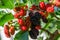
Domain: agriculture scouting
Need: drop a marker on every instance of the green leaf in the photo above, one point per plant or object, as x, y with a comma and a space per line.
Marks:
36, 2
24, 1
57, 13
16, 26
7, 4
41, 0
6, 18
1, 15
51, 26
29, 4
40, 38
46, 1
21, 36
52, 29
32, 1
58, 36
22, 4
58, 24
48, 24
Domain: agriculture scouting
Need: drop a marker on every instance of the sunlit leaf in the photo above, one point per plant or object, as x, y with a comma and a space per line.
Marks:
7, 4
6, 18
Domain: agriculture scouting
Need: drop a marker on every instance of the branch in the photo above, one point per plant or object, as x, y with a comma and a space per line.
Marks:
52, 36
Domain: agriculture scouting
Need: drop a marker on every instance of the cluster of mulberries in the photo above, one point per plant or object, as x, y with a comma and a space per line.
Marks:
36, 24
